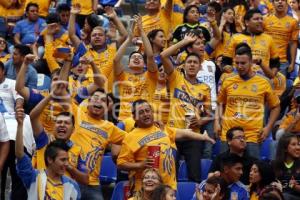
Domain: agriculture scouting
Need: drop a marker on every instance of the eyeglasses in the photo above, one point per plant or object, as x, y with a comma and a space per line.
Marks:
239, 138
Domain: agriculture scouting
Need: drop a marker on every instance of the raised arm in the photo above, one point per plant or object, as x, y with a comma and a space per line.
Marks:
75, 9
37, 126
19, 146
151, 65
188, 134
118, 68
49, 48
211, 18
117, 22
167, 53
20, 81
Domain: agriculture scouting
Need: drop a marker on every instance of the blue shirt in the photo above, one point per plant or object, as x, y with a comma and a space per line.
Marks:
235, 188
30, 76
29, 31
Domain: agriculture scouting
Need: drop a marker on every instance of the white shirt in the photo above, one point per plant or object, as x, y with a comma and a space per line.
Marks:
8, 96
3, 130
207, 76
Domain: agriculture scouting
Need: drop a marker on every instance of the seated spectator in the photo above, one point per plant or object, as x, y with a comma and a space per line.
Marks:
4, 142
271, 193
215, 189
26, 31
287, 165
237, 145
12, 67
151, 179
261, 175
163, 192
44, 6
51, 182
4, 54
231, 172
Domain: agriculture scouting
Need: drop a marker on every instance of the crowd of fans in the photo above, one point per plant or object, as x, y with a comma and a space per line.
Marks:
79, 79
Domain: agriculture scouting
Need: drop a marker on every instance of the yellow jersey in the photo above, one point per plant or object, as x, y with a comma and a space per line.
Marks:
104, 60
245, 102
133, 87
135, 149
288, 119
283, 30
240, 12
262, 46
220, 48
54, 190
279, 82
94, 136
86, 7
185, 98
4, 57
129, 124
76, 155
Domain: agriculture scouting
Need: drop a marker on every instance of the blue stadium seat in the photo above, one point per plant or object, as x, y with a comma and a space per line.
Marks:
216, 148
44, 82
265, 149
185, 190
205, 166
183, 174
118, 193
108, 173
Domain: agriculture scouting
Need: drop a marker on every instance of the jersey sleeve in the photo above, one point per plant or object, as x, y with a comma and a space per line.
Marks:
49, 50
295, 31
172, 133
42, 140
126, 155
271, 97
117, 135
25, 171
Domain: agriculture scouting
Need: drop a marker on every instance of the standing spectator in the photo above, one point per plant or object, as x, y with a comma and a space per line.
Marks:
261, 175
241, 102
12, 67
4, 142
133, 154
231, 171
26, 31
93, 133
237, 145
189, 97
44, 6
51, 182
294, 4
287, 165
284, 31
262, 45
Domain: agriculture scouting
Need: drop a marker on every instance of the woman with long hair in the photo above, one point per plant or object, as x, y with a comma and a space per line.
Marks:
4, 55
295, 5
287, 165
150, 180
163, 192
261, 175
215, 188
158, 41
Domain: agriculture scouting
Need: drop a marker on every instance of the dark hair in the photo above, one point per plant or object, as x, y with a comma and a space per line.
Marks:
191, 54
52, 18
63, 7
281, 153
31, 4
160, 192
55, 72
266, 173
230, 160
152, 34
186, 11
249, 14
23, 49
229, 134
223, 185
217, 7
137, 53
136, 103
67, 114
1, 65
53, 148
232, 27
93, 20
101, 90
267, 193
233, 3
243, 49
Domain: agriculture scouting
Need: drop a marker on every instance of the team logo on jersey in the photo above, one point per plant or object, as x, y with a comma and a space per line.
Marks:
263, 43
235, 86
5, 86
183, 87
254, 88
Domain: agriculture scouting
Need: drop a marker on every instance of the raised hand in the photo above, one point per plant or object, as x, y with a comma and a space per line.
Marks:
76, 8
20, 115
211, 15
110, 12
29, 58
190, 37
138, 21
